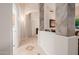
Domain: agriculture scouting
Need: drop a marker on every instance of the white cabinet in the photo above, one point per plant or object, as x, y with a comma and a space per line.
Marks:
57, 45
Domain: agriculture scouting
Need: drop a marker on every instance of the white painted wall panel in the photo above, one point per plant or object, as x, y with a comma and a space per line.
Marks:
5, 28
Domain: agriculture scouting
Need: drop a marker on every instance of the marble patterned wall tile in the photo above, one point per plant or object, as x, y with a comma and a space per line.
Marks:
65, 16
41, 7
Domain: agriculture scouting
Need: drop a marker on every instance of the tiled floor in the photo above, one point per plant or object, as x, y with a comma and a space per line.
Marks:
29, 46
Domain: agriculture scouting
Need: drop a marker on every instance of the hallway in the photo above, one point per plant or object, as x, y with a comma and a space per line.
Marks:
55, 26
29, 46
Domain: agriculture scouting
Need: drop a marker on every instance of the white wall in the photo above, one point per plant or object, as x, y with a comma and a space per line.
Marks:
16, 29
28, 26
5, 28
